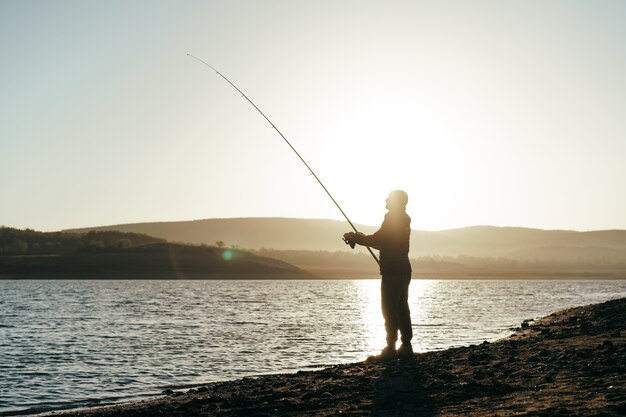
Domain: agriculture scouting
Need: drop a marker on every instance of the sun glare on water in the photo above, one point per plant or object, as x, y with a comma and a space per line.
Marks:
371, 315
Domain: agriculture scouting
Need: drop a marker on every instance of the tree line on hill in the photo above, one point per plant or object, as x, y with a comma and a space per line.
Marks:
31, 242
120, 255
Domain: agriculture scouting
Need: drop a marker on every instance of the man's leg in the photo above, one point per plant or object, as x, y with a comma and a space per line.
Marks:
389, 304
404, 313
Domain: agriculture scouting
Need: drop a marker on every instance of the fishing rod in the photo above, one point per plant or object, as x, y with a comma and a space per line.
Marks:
290, 145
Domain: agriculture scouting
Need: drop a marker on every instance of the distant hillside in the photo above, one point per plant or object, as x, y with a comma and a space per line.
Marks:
325, 235
30, 242
110, 254
250, 233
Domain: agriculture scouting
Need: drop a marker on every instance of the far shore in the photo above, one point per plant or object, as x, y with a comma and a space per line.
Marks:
303, 273
297, 277
331, 273
572, 362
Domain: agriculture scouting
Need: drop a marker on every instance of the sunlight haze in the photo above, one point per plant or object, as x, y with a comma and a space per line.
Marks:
486, 112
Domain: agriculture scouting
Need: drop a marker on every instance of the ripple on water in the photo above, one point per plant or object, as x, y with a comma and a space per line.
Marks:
80, 342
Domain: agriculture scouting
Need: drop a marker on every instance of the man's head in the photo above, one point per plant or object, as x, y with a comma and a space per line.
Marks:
397, 200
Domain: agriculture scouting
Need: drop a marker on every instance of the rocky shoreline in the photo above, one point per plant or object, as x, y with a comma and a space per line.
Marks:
571, 363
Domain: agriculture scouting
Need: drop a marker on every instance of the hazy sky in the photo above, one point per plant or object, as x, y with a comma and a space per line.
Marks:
485, 112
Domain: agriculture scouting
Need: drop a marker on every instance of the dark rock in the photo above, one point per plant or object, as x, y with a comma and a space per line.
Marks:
202, 389
475, 357
525, 324
616, 334
478, 373
326, 395
168, 392
210, 400
307, 396
620, 409
586, 327
238, 399
447, 376
607, 343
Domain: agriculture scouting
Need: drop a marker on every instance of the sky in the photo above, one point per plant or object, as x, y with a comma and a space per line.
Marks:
485, 112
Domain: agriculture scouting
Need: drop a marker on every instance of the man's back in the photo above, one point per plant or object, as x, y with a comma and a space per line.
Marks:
394, 235
392, 240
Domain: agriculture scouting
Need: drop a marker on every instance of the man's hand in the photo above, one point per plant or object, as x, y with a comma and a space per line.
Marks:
350, 238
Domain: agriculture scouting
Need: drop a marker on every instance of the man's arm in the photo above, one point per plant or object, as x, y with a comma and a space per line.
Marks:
373, 240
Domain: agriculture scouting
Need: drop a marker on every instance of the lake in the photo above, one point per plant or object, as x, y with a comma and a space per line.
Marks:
71, 343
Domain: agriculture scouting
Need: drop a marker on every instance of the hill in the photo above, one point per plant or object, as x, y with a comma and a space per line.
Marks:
110, 254
325, 235
30, 242
315, 245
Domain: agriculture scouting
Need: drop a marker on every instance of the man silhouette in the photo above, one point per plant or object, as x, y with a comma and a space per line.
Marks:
392, 240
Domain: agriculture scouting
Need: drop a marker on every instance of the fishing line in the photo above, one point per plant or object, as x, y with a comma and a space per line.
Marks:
288, 143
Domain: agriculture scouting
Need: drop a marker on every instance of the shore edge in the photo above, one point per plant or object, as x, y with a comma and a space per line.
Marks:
572, 362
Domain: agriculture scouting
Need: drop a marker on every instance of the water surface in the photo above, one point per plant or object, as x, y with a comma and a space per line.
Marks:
72, 342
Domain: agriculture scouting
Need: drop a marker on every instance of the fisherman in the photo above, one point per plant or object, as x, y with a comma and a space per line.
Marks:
392, 240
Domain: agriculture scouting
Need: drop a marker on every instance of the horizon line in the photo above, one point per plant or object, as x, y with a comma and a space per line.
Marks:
313, 219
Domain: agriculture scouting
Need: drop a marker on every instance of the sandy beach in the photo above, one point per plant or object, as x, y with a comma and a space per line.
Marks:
572, 362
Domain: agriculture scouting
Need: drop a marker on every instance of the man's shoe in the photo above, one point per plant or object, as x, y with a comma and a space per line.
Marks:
405, 351
387, 354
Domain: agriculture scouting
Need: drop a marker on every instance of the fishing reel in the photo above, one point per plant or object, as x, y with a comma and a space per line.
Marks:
349, 238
